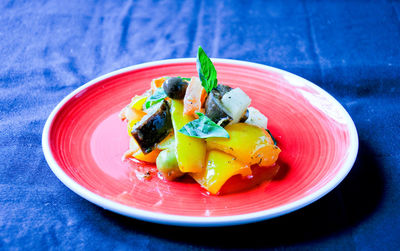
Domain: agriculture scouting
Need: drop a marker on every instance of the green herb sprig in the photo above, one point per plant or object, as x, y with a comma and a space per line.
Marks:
185, 79
158, 95
203, 127
206, 70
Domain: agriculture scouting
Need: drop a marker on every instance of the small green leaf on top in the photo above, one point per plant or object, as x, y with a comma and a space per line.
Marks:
158, 95
206, 70
186, 79
203, 127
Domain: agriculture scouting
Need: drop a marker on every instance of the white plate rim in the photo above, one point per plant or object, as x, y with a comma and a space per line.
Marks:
196, 221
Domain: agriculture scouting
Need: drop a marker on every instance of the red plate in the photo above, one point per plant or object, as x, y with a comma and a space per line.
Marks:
83, 141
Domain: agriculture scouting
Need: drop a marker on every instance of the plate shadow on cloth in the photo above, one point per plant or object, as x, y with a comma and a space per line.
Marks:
354, 200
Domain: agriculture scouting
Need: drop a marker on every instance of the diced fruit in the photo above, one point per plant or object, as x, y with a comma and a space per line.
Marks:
249, 144
190, 152
236, 102
220, 167
256, 118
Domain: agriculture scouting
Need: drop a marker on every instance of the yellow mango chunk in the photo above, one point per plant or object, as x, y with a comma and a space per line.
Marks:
190, 152
220, 167
249, 144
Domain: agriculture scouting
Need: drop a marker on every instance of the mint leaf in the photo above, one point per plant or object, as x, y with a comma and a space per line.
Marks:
203, 127
206, 70
158, 95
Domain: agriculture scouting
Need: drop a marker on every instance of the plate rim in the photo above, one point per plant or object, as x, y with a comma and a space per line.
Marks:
198, 221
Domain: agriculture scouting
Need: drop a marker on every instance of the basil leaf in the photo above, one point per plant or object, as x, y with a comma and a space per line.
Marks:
203, 127
157, 96
183, 78
186, 79
206, 70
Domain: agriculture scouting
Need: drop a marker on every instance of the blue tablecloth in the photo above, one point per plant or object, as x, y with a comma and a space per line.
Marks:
49, 48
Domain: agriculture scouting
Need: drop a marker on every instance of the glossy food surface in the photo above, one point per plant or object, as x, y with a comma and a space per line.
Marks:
86, 140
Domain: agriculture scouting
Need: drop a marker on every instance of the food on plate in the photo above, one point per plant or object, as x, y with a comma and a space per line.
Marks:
198, 127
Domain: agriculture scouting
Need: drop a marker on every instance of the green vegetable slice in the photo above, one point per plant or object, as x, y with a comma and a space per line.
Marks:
159, 94
206, 70
203, 127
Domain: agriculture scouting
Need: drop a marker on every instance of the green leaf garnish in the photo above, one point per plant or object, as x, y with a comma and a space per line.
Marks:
203, 127
186, 79
206, 70
157, 96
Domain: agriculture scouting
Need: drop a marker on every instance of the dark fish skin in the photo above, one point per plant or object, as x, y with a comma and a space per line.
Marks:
215, 110
153, 127
222, 89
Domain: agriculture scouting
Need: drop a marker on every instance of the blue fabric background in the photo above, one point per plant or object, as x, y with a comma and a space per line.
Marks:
49, 48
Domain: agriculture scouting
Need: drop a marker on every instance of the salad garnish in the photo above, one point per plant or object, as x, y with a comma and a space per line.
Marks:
206, 70
159, 94
203, 127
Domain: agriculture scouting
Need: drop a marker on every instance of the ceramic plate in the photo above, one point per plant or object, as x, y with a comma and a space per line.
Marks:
84, 140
